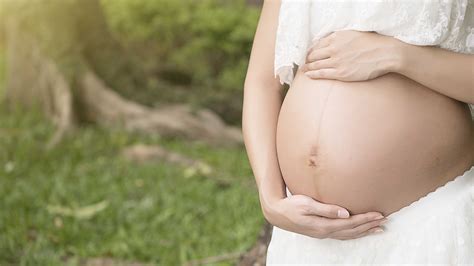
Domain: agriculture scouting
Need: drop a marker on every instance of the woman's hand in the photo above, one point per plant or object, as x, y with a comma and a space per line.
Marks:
304, 215
351, 56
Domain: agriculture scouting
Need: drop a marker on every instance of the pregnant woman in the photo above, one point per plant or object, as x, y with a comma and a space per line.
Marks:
369, 156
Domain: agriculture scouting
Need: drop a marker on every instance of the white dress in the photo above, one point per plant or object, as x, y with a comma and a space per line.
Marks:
436, 229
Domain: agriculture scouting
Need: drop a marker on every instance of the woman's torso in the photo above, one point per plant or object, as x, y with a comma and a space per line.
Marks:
373, 145
379, 144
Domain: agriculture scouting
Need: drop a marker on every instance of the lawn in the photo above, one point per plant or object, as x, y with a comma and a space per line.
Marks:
83, 199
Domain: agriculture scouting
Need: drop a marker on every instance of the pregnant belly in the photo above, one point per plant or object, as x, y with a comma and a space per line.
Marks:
376, 145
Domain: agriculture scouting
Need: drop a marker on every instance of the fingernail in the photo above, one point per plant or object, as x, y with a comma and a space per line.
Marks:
377, 231
383, 221
342, 213
378, 217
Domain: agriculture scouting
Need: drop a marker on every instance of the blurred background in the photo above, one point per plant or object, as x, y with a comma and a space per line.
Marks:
120, 134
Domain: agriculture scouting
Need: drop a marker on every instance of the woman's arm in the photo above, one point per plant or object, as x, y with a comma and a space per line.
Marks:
357, 56
262, 102
446, 72
263, 97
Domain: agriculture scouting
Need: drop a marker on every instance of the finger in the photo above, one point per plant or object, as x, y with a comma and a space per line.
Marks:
319, 64
318, 54
374, 230
358, 230
326, 73
334, 225
318, 43
327, 210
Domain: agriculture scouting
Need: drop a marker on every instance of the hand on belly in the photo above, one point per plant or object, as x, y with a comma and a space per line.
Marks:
376, 145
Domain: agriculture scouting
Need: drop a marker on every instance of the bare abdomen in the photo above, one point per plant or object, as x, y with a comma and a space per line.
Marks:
376, 145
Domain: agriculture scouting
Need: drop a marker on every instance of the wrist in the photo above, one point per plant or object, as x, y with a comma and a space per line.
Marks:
269, 205
398, 56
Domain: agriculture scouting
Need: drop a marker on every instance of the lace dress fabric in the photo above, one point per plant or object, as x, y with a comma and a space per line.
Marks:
447, 24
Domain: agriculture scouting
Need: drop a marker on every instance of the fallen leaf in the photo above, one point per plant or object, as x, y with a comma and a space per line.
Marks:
85, 212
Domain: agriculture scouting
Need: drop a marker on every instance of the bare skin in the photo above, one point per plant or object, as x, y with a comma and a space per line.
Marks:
388, 138
262, 102
373, 145
350, 55
376, 144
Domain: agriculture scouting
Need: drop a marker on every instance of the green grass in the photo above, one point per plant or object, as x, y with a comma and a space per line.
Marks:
155, 214
2, 71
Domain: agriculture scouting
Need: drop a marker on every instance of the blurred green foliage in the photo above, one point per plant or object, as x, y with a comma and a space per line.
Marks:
193, 51
203, 45
2, 50
153, 212
2, 73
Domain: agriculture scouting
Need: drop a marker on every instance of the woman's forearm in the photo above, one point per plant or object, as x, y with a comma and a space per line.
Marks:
261, 106
446, 72
259, 120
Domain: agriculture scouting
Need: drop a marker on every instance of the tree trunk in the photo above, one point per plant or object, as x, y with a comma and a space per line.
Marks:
62, 59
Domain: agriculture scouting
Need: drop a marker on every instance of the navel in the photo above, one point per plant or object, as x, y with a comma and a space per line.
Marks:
313, 157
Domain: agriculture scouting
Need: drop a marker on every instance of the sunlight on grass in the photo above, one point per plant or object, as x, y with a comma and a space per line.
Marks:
153, 213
